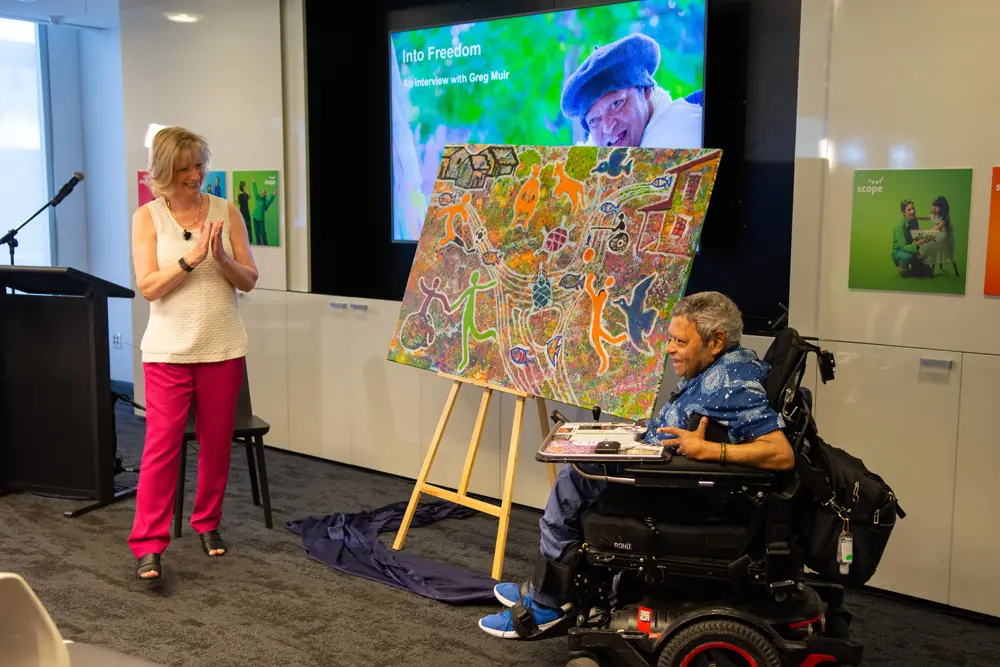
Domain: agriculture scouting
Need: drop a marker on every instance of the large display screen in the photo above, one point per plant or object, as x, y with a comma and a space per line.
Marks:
626, 74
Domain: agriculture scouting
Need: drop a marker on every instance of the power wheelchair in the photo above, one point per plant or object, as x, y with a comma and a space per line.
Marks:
695, 564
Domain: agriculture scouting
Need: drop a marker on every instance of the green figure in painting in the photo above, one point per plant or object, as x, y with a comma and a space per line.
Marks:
468, 300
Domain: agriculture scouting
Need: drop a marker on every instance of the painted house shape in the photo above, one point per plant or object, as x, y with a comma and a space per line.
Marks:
452, 160
502, 160
671, 231
472, 171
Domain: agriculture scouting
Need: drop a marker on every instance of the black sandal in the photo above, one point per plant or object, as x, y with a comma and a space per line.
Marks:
149, 563
211, 540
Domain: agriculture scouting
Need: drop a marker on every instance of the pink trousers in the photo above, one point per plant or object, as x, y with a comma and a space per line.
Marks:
170, 388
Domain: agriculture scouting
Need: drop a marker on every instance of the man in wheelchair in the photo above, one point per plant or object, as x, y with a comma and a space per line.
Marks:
720, 413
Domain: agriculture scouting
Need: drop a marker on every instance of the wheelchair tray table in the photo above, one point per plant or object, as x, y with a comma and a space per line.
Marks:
578, 442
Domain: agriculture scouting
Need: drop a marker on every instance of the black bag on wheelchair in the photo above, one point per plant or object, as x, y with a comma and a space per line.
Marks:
850, 504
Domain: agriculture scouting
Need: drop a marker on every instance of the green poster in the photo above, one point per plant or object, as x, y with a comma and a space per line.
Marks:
256, 195
910, 230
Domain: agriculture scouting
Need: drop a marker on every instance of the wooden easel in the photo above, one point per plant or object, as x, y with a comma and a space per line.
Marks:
460, 497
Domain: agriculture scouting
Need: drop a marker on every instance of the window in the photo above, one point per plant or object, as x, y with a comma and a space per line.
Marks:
23, 169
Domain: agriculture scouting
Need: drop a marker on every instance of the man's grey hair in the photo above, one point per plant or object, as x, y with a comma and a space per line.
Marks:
711, 312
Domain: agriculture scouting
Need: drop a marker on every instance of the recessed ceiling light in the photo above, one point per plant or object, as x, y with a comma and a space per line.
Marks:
181, 17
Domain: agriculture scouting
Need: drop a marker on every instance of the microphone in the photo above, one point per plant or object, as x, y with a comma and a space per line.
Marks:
187, 235
66, 189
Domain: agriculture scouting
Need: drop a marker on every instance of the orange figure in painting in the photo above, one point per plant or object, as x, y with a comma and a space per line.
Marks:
567, 185
527, 199
453, 211
597, 332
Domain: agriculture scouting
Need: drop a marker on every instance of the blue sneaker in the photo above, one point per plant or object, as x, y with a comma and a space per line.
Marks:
501, 625
509, 594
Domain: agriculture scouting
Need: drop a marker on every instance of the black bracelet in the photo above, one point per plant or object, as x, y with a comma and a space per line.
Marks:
184, 265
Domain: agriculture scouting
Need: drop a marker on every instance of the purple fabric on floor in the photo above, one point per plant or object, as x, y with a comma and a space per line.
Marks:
349, 543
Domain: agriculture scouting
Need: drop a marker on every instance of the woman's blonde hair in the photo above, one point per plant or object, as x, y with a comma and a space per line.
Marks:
168, 145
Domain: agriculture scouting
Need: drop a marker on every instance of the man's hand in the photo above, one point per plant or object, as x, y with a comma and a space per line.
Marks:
691, 444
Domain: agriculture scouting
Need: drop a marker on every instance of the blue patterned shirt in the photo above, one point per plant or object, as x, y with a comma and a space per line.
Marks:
730, 391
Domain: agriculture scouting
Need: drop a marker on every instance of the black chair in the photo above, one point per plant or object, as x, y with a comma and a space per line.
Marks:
248, 429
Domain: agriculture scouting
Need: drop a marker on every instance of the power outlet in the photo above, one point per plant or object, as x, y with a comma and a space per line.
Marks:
116, 341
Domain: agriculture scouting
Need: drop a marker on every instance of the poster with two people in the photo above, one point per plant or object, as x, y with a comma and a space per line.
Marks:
910, 230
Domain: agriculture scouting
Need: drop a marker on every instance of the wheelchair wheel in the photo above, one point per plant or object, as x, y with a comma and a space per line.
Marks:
719, 642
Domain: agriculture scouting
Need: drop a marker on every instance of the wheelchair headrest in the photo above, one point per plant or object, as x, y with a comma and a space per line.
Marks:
787, 357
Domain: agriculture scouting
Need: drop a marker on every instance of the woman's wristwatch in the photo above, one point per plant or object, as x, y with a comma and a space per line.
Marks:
184, 265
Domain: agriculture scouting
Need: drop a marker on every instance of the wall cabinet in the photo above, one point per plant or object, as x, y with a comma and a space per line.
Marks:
384, 398
897, 409
264, 315
318, 393
975, 578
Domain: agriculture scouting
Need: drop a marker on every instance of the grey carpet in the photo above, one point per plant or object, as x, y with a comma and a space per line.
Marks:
266, 603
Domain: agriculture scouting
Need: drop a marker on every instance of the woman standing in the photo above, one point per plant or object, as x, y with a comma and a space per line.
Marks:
189, 262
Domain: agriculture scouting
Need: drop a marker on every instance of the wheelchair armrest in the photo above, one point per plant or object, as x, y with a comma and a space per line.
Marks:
684, 472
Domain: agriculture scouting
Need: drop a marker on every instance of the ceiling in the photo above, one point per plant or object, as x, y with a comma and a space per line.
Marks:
84, 13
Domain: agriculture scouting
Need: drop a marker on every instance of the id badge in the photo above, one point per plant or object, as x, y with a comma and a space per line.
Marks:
845, 552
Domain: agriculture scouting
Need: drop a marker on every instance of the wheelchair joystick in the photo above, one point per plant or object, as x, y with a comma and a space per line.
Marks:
596, 411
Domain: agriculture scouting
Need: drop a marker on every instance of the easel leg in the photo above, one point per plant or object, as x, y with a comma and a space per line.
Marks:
508, 488
426, 468
477, 435
543, 421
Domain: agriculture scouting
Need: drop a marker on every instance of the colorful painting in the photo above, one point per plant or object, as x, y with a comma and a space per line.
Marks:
256, 195
552, 270
910, 230
215, 183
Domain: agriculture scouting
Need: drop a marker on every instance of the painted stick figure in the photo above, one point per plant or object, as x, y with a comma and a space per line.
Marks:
468, 300
453, 211
431, 293
567, 185
597, 332
527, 199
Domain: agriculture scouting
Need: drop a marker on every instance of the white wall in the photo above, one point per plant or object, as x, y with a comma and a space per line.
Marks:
877, 80
220, 77
102, 113
904, 78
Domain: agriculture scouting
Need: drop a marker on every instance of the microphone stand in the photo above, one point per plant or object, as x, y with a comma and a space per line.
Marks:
10, 238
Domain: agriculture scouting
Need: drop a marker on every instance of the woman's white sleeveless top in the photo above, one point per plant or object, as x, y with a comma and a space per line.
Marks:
197, 321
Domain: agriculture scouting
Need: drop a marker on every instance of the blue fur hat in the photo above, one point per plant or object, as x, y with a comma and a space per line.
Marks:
628, 63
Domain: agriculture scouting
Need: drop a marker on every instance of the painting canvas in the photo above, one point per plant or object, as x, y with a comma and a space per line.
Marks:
552, 270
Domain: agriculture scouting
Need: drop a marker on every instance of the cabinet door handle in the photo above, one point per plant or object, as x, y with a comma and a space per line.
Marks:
935, 363
359, 306
337, 305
